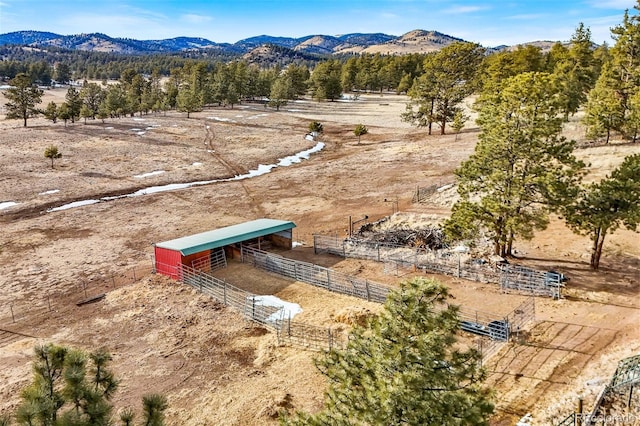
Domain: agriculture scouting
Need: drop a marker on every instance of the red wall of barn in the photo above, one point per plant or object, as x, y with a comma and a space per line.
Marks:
168, 262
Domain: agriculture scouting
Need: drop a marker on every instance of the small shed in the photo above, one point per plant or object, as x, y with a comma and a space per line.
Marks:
206, 247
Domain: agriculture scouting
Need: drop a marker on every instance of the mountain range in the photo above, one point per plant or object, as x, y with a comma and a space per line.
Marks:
417, 41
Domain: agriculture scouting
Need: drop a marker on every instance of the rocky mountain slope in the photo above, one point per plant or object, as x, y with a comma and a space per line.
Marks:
413, 41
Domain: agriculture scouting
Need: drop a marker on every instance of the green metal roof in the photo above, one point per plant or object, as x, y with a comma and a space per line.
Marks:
224, 236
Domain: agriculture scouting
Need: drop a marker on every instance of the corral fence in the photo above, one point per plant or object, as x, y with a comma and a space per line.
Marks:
259, 309
85, 289
493, 329
318, 276
402, 259
423, 193
627, 374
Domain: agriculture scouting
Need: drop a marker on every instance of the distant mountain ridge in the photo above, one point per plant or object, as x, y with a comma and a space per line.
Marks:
413, 41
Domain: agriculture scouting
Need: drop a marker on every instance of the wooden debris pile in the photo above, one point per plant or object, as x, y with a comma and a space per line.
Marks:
428, 238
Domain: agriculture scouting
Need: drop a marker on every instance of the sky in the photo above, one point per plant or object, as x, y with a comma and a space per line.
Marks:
490, 23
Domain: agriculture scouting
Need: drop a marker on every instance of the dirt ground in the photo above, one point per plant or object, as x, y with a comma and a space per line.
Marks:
214, 367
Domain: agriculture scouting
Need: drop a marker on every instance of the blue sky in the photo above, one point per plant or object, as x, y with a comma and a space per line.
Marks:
489, 23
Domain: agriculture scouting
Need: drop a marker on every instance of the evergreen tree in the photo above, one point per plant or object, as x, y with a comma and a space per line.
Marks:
618, 83
23, 97
360, 130
189, 99
92, 96
607, 205
74, 103
575, 73
521, 168
62, 73
51, 112
459, 121
603, 113
450, 75
52, 152
325, 80
71, 387
404, 367
281, 92
64, 113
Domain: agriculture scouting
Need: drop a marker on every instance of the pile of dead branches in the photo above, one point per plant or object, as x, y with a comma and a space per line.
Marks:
427, 238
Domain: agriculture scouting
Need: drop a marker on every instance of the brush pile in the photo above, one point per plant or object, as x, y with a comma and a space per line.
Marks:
427, 237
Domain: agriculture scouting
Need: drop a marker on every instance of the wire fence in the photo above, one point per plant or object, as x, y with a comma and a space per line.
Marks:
423, 193
262, 310
316, 275
402, 259
494, 330
83, 291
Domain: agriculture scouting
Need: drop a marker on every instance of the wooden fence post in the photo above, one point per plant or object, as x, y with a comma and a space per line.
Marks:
366, 286
12, 315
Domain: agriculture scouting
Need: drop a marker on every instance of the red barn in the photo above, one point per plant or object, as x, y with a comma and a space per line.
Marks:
201, 248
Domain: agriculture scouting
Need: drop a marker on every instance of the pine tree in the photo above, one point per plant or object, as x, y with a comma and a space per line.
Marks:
52, 152
404, 367
23, 97
71, 387
450, 75
74, 103
575, 73
618, 84
607, 205
51, 112
521, 168
360, 130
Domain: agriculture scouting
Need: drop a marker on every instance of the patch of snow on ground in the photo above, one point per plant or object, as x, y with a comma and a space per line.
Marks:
221, 119
527, 420
74, 204
297, 244
196, 164
287, 310
7, 204
444, 188
140, 133
262, 169
257, 116
51, 191
138, 119
135, 129
154, 173
109, 128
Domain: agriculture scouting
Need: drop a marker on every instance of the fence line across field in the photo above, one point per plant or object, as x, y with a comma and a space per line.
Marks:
402, 259
86, 288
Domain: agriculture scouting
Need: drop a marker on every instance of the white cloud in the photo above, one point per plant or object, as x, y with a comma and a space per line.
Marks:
612, 4
195, 19
455, 10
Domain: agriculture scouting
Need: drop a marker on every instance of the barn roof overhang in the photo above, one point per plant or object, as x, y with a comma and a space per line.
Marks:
225, 236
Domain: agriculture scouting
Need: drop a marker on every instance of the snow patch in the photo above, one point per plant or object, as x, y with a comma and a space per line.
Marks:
73, 205
7, 204
154, 173
527, 420
287, 310
262, 169
51, 191
221, 119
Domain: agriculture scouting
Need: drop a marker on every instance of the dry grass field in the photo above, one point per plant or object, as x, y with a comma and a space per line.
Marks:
214, 367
